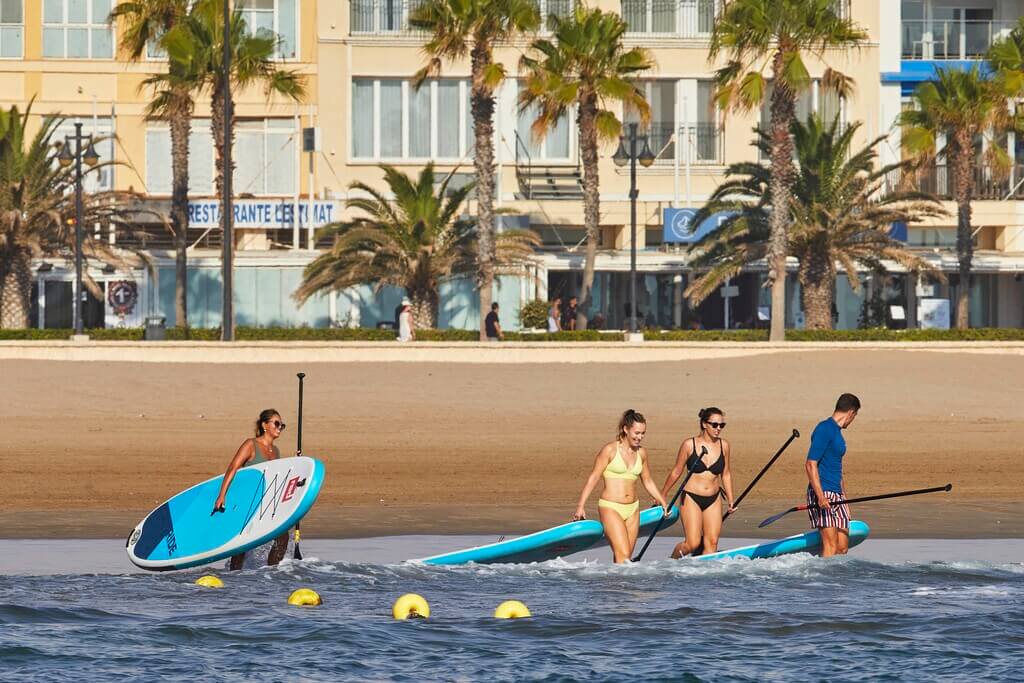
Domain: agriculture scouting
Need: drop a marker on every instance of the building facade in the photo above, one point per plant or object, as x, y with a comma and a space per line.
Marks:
359, 57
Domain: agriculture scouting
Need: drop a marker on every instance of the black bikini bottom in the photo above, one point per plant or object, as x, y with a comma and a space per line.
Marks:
704, 502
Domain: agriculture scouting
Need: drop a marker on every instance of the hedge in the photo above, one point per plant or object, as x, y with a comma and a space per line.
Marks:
368, 334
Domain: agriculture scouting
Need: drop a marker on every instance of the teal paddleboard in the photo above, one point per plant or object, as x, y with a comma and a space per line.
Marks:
548, 544
800, 543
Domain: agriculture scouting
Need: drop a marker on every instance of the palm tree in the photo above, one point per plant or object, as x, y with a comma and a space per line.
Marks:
840, 214
37, 207
586, 66
965, 108
144, 23
757, 36
414, 242
196, 49
461, 28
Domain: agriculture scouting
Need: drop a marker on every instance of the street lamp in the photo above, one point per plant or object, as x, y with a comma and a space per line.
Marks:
627, 152
66, 158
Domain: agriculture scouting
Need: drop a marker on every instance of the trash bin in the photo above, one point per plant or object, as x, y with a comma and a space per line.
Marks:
156, 328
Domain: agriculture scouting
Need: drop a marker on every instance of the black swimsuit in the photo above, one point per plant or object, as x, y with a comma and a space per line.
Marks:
696, 464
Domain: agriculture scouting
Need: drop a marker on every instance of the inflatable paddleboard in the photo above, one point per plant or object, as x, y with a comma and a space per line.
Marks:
541, 546
264, 501
801, 543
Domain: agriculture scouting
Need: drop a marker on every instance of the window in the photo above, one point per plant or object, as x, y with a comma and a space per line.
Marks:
380, 16
679, 18
393, 120
102, 130
556, 143
265, 155
12, 28
77, 29
274, 17
559, 8
697, 125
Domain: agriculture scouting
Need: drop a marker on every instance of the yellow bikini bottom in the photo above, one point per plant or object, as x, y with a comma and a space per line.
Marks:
625, 510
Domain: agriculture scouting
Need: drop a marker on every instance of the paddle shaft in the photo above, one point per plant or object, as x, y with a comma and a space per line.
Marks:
298, 451
679, 492
865, 499
736, 504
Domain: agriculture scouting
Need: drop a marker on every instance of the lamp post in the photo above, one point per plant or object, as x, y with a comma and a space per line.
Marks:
628, 152
66, 158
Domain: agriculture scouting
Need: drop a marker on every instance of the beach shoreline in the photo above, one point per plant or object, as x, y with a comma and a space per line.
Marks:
447, 447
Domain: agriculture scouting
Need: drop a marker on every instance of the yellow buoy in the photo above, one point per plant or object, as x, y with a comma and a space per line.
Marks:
305, 597
209, 581
511, 609
410, 605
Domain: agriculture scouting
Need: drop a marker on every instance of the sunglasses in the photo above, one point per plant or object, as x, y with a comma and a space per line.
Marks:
715, 425
278, 424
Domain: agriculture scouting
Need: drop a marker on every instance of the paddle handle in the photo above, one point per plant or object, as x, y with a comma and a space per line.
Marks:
298, 451
736, 503
679, 492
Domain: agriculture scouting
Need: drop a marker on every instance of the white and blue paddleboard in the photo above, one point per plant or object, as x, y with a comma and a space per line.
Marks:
264, 501
549, 544
800, 543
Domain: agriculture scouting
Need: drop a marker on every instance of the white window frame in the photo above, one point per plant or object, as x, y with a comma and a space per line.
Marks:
91, 25
21, 25
465, 126
277, 28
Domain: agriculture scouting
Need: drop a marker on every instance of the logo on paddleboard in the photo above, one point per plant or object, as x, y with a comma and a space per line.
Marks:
289, 489
134, 537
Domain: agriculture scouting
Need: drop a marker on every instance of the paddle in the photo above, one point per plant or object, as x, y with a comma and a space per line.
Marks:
699, 550
298, 451
679, 492
775, 518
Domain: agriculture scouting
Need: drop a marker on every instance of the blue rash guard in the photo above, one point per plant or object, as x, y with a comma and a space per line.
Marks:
827, 449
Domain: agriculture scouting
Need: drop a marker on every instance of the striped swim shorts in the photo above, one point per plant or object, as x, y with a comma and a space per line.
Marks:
835, 517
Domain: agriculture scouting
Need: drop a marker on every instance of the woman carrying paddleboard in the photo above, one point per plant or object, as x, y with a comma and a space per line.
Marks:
252, 452
707, 455
621, 462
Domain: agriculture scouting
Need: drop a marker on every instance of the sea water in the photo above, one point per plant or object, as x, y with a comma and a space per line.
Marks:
891, 611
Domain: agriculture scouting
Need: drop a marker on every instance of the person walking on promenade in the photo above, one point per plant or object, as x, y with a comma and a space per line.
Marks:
569, 315
621, 462
825, 477
555, 315
406, 331
492, 325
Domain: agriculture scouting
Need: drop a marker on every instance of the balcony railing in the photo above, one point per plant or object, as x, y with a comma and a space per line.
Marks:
381, 17
670, 18
952, 39
989, 183
701, 143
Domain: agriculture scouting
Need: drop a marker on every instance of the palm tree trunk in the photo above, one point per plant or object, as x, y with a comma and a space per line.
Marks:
591, 203
817, 282
783, 108
425, 307
15, 289
181, 125
962, 163
482, 107
217, 114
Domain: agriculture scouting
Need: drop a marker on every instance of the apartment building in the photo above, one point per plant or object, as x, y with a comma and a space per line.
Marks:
359, 57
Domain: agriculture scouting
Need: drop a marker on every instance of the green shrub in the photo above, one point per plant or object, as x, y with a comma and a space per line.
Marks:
565, 336
707, 335
534, 314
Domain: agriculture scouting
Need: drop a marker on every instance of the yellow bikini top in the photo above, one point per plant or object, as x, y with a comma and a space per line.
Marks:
617, 469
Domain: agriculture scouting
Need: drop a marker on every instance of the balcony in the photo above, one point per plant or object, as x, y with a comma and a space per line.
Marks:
953, 39
381, 17
702, 143
689, 19
989, 184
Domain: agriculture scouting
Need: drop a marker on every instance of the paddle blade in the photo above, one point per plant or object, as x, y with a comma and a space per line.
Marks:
775, 518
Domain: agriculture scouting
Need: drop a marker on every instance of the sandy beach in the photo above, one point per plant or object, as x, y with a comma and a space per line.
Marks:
426, 447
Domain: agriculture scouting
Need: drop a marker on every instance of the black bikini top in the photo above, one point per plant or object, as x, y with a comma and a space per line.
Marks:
696, 463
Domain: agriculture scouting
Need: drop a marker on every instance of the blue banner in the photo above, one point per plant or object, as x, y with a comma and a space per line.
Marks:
678, 228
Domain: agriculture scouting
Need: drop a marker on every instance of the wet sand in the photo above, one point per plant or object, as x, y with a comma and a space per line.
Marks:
486, 448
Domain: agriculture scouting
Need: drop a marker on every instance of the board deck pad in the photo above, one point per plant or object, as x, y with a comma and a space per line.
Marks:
264, 501
800, 543
559, 541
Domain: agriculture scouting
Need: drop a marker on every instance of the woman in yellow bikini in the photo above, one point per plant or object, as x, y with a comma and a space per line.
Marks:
621, 463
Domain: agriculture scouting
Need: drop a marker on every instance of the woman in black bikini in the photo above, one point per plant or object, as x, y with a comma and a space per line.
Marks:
701, 511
